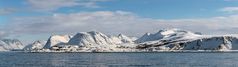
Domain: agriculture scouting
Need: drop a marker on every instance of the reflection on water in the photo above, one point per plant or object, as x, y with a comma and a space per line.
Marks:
21, 59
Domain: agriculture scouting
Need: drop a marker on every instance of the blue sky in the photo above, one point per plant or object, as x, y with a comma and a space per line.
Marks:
159, 9
37, 19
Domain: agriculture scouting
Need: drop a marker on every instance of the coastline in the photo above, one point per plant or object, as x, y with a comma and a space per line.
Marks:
172, 51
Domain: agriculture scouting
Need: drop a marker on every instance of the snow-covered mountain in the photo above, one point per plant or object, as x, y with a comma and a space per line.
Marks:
91, 38
98, 38
168, 34
210, 43
165, 40
10, 44
176, 39
98, 41
39, 44
57, 40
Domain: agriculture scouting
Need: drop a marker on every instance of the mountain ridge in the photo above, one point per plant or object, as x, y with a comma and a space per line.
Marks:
167, 40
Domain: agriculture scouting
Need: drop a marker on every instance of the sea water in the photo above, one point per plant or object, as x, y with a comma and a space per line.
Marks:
168, 59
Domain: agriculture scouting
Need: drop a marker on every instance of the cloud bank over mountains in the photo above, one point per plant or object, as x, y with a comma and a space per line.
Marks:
107, 21
114, 22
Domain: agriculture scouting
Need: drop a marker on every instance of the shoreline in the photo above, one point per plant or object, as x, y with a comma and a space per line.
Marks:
174, 51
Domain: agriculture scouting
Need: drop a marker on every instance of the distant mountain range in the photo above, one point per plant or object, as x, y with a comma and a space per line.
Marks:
10, 44
163, 40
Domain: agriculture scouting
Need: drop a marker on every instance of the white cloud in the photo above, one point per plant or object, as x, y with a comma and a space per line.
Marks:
50, 5
114, 22
3, 34
5, 11
229, 9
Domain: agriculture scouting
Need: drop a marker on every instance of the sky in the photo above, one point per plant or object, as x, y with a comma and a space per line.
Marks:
29, 20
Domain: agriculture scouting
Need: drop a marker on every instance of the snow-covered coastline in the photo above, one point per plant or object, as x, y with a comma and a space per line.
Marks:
169, 40
135, 51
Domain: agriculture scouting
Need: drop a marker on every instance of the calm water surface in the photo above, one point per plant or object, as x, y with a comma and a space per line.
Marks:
22, 59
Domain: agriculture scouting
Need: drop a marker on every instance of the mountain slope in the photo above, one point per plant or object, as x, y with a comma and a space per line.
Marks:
35, 45
10, 44
98, 38
90, 38
170, 34
57, 40
98, 41
170, 39
186, 40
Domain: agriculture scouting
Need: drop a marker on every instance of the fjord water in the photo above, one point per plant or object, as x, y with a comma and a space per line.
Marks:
23, 59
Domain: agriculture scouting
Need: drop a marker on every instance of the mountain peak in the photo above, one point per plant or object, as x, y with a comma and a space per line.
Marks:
121, 35
88, 38
56, 40
94, 32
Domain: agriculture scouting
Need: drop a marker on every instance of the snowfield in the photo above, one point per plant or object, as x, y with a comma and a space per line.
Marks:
169, 40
